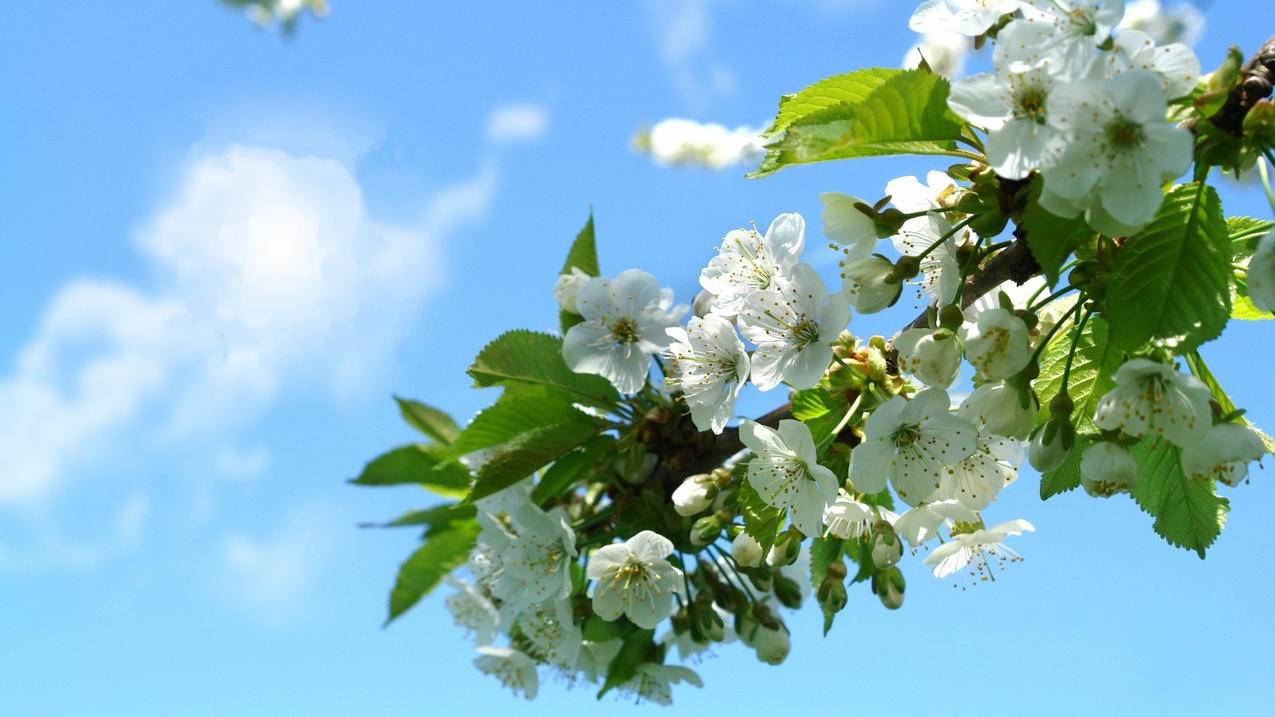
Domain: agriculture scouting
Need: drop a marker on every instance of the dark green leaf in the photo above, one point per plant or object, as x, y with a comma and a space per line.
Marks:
1188, 512
1171, 280
583, 256
428, 420
535, 358
638, 648
443, 551
528, 452
761, 521
423, 465
572, 467
1095, 362
822, 552
1065, 477
516, 413
1050, 237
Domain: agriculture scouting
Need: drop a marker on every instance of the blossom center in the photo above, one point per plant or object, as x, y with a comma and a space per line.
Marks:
907, 435
1031, 104
1124, 134
624, 331
805, 333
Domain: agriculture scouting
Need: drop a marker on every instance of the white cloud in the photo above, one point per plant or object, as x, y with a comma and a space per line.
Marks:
46, 548
275, 572
269, 274
683, 32
712, 146
521, 122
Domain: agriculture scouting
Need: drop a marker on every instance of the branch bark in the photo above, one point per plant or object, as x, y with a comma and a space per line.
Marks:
1257, 80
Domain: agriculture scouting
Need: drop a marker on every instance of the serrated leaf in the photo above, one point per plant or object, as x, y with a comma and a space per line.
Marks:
424, 465
1244, 233
1171, 280
1095, 362
637, 649
528, 452
845, 91
762, 521
1188, 512
907, 113
523, 356
515, 413
583, 256
428, 420
820, 410
822, 552
1051, 238
1065, 477
442, 552
435, 518
572, 467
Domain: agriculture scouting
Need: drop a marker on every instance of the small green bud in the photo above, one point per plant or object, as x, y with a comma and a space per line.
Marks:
761, 577
907, 267
705, 530
951, 317
1061, 406
889, 587
887, 549
832, 595
837, 570
788, 592
764, 615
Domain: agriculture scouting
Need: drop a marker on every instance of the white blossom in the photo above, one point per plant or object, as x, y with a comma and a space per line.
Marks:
1223, 452
625, 322
1181, 22
847, 518
472, 610
1119, 150
1066, 34
1011, 107
747, 261
1176, 64
996, 344
746, 550
568, 287
634, 579
1261, 273
1048, 447
932, 356
921, 524
981, 548
552, 632
909, 194
910, 443
793, 323
653, 683
1107, 468
1152, 398
844, 224
967, 17
514, 669
708, 364
943, 52
537, 565
870, 284
999, 409
786, 474
695, 495
940, 271
979, 478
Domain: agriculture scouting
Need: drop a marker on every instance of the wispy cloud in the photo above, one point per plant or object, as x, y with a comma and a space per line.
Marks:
273, 573
683, 32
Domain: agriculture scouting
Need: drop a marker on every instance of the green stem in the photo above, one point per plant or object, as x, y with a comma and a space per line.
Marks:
947, 235
1056, 295
965, 272
1071, 354
1049, 336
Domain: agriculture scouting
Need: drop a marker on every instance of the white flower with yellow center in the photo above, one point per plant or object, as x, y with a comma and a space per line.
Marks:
1152, 398
537, 565
625, 320
472, 610
553, 635
911, 443
1176, 64
634, 579
921, 524
793, 323
997, 344
748, 261
847, 518
1223, 452
940, 271
1067, 33
979, 478
653, 683
932, 356
1011, 107
708, 364
514, 669
846, 225
967, 17
980, 548
786, 473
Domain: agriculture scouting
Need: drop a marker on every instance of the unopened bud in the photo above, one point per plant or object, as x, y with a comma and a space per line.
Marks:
889, 587
886, 548
788, 592
705, 530
765, 616
907, 267
837, 570
951, 317
785, 550
1061, 406
762, 578
832, 594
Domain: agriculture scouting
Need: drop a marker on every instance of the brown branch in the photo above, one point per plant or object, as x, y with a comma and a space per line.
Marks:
1257, 80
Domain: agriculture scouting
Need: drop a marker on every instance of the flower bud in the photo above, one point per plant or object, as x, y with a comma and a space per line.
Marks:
850, 221
785, 550
999, 409
1107, 468
721, 477
761, 577
771, 644
746, 550
1050, 443
907, 267
763, 614
1224, 453
566, 288
832, 594
997, 344
951, 318
712, 626
889, 587
1061, 406
933, 357
788, 592
886, 547
870, 284
705, 530
837, 570
695, 495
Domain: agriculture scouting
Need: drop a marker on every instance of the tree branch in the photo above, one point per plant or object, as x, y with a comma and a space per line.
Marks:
1257, 80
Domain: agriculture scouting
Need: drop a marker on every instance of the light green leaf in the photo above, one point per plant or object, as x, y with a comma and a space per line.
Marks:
844, 91
583, 256
530, 357
1065, 477
907, 113
443, 551
762, 521
637, 649
517, 412
1188, 512
1244, 233
528, 452
822, 552
821, 411
1171, 280
428, 420
436, 518
1096, 360
424, 465
1050, 237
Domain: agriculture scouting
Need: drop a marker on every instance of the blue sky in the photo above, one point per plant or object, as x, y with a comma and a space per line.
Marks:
182, 402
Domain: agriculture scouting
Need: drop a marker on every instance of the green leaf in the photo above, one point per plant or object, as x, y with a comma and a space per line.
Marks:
1200, 370
428, 420
1171, 280
1065, 477
761, 521
846, 91
907, 113
822, 552
435, 518
528, 452
423, 465
1095, 362
572, 467
517, 412
1051, 238
1188, 512
1244, 233
820, 410
534, 358
443, 551
637, 649
583, 256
